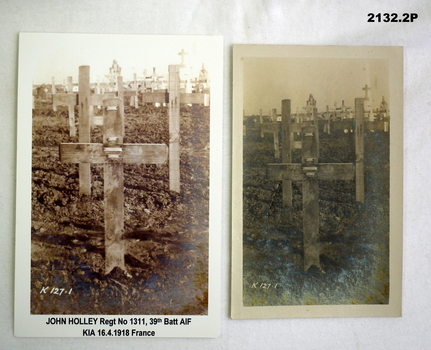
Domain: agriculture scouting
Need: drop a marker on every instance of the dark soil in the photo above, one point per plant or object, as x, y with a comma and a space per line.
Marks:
354, 238
166, 233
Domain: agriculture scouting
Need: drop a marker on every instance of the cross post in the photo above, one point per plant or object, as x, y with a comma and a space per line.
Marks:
174, 128
84, 127
286, 151
272, 128
134, 97
274, 114
113, 153
67, 99
71, 107
359, 149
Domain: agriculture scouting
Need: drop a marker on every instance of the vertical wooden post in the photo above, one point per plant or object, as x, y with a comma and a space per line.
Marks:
316, 123
120, 89
276, 144
120, 94
84, 127
174, 128
286, 150
71, 109
98, 91
310, 196
329, 120
359, 149
53, 91
135, 88
310, 200
113, 121
260, 116
69, 85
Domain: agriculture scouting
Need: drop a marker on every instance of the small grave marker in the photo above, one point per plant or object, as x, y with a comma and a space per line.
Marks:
366, 89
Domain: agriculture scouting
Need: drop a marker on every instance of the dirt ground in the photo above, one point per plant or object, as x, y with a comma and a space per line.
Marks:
166, 233
354, 237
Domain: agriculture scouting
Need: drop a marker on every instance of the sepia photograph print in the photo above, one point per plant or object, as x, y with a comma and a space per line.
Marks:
118, 207
317, 181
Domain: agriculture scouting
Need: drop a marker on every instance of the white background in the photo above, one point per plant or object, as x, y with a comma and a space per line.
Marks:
299, 22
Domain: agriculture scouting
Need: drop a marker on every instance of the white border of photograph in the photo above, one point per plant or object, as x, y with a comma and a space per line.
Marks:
32, 47
394, 57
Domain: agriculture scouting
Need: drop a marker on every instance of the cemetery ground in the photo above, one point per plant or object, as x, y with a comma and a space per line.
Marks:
353, 237
166, 233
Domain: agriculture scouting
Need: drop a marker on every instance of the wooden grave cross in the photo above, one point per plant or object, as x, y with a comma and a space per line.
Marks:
272, 128
288, 143
366, 89
310, 172
113, 153
68, 99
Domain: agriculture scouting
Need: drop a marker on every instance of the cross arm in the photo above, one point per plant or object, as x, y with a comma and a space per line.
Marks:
148, 153
95, 153
129, 93
62, 99
82, 153
197, 98
97, 99
283, 171
324, 171
155, 97
185, 98
270, 127
295, 127
336, 171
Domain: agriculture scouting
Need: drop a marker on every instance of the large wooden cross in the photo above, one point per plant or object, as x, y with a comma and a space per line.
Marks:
113, 153
288, 143
310, 171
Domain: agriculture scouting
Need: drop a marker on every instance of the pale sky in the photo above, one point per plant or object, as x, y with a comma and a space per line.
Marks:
267, 81
60, 55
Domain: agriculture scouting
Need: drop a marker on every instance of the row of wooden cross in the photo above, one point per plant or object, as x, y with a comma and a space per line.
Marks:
310, 171
113, 153
346, 125
71, 99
